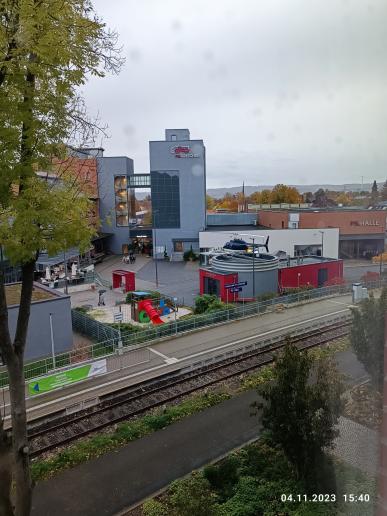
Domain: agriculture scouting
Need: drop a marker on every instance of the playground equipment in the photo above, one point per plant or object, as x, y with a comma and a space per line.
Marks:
125, 279
152, 312
146, 308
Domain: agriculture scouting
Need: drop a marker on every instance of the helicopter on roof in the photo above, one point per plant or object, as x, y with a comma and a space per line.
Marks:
237, 244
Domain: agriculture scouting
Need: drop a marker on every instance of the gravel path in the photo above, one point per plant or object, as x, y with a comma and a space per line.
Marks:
358, 446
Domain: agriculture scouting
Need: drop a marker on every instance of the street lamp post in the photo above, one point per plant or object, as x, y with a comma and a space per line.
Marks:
253, 239
322, 243
65, 272
52, 343
155, 247
298, 285
175, 303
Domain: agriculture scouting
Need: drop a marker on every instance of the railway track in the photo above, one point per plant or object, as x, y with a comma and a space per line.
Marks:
133, 401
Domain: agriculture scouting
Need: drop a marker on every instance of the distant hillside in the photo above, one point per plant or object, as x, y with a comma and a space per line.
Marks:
355, 187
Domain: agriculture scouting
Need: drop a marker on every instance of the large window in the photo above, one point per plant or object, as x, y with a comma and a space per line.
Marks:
121, 200
165, 199
139, 181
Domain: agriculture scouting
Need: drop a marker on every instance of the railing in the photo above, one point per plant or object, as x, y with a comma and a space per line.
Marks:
102, 281
88, 326
192, 323
107, 337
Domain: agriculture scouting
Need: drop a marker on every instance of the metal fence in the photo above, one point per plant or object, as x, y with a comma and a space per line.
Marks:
192, 323
107, 337
101, 281
88, 326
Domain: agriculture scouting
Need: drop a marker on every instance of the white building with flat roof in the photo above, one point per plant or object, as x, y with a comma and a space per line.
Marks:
293, 242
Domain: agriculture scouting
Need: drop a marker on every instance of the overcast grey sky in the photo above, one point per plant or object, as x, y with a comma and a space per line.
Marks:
287, 91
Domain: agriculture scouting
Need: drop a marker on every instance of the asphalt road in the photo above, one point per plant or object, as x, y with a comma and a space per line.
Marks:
119, 479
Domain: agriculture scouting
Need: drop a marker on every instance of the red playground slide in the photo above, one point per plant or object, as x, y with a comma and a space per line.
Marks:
150, 310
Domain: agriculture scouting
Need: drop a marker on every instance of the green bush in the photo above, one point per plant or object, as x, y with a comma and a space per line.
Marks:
155, 508
126, 327
249, 482
190, 255
157, 421
203, 302
224, 476
81, 309
207, 303
266, 296
296, 290
192, 496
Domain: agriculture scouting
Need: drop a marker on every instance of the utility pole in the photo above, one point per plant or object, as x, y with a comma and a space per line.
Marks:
65, 272
322, 243
253, 239
52, 343
155, 247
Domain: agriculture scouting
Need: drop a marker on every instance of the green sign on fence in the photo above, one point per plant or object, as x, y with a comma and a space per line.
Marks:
55, 381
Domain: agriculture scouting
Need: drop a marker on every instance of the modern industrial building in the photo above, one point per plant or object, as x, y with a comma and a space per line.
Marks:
176, 219
234, 275
177, 187
291, 242
361, 232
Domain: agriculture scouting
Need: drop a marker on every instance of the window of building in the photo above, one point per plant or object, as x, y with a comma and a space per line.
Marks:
121, 200
139, 181
211, 286
178, 246
173, 137
165, 199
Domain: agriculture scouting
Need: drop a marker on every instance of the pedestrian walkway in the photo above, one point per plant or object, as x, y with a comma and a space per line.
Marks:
357, 445
119, 479
113, 262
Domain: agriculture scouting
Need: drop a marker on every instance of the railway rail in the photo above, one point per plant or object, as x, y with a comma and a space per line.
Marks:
133, 401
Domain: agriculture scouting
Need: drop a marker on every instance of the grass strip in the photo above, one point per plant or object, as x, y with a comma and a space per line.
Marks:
123, 433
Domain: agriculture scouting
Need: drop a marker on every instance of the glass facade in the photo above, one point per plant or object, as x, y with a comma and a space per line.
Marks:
121, 200
139, 181
165, 199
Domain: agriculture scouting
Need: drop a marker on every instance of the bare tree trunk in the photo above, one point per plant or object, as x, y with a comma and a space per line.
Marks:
6, 508
6, 463
22, 476
13, 356
21, 465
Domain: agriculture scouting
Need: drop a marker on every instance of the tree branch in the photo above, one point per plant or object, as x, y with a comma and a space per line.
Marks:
24, 307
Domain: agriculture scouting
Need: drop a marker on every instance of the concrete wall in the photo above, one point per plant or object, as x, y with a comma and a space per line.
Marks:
350, 222
265, 281
192, 184
164, 238
283, 240
230, 219
273, 219
107, 169
38, 336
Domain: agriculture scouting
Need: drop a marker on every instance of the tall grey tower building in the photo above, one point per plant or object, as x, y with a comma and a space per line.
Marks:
178, 190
